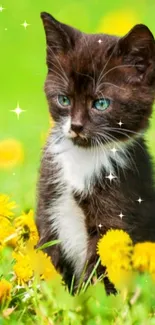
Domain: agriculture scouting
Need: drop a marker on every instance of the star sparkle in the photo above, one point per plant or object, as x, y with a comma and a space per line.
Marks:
121, 215
114, 150
99, 41
111, 177
17, 110
100, 225
140, 200
120, 123
1, 8
25, 24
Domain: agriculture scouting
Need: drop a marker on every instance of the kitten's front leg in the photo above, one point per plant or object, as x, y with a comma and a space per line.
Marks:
47, 196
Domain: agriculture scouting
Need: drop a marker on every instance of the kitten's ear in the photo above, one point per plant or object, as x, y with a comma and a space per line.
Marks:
59, 37
138, 48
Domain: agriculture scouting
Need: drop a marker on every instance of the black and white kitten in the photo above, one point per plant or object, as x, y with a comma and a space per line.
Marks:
96, 173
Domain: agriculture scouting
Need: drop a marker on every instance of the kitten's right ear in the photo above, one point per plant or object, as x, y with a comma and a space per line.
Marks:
59, 37
138, 49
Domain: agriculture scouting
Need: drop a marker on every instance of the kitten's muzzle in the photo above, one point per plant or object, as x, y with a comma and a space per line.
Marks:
77, 128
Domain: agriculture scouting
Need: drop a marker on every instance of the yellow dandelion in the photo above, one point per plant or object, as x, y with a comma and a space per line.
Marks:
143, 258
22, 268
115, 248
26, 227
119, 276
5, 290
8, 234
30, 262
11, 153
41, 264
6, 206
118, 22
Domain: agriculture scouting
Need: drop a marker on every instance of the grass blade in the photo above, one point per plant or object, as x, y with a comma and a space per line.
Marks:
49, 244
91, 275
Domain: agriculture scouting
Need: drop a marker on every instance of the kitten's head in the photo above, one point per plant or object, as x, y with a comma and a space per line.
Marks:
95, 82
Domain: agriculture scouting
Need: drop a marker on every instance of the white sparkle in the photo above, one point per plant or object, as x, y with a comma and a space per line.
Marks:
120, 124
111, 177
18, 111
121, 215
114, 150
25, 24
140, 200
99, 41
1, 8
100, 226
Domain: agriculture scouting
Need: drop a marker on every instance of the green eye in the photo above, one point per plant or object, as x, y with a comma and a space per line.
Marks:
64, 100
101, 104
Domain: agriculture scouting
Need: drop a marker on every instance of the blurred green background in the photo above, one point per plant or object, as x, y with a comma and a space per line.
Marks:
23, 71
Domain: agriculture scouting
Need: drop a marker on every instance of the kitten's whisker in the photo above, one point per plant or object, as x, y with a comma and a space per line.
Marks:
52, 90
61, 77
59, 73
110, 84
125, 152
52, 86
61, 68
109, 58
119, 66
126, 135
51, 83
100, 92
84, 74
127, 130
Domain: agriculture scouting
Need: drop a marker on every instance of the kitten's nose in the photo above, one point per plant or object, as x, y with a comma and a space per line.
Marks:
76, 127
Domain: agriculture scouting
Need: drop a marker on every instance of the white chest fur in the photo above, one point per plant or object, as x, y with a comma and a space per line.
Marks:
78, 166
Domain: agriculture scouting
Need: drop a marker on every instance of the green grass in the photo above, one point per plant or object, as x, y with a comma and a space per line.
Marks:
51, 303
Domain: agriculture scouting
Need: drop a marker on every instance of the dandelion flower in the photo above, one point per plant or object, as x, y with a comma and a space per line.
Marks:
5, 289
41, 264
30, 262
143, 258
118, 22
22, 268
6, 206
118, 276
26, 227
115, 248
11, 153
8, 234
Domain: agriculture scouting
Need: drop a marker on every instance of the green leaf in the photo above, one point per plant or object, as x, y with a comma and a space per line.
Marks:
49, 244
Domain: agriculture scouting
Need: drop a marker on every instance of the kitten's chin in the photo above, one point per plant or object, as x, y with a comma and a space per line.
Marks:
81, 142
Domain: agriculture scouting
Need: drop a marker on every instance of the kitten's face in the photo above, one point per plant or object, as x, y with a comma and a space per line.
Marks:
96, 82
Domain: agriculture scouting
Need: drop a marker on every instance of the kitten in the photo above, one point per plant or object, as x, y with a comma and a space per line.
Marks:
95, 168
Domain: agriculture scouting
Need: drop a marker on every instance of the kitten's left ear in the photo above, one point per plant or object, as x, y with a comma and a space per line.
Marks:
59, 37
138, 48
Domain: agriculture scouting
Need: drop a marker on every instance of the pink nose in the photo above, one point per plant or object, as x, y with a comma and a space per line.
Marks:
76, 127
